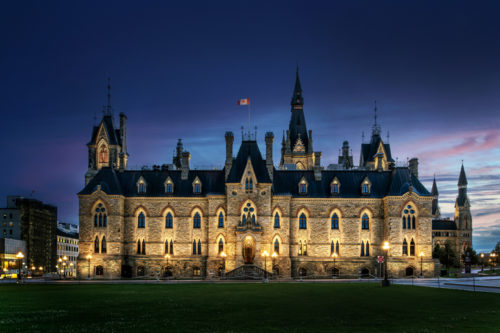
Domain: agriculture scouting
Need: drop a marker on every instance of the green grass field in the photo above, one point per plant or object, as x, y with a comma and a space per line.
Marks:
286, 307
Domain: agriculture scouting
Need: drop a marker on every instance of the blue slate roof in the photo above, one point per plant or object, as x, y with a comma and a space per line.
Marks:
114, 134
368, 150
444, 225
249, 150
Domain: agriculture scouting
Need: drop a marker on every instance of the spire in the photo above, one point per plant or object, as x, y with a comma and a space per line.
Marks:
297, 99
434, 190
376, 128
107, 109
462, 179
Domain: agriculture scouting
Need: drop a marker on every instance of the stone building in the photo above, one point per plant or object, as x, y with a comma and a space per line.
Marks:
311, 221
457, 231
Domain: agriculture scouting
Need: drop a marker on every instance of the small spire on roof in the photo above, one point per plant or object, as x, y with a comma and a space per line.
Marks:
434, 190
462, 179
376, 128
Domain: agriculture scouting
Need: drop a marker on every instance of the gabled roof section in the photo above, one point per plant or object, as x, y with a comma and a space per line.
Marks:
113, 134
402, 179
434, 190
125, 183
444, 225
248, 150
368, 150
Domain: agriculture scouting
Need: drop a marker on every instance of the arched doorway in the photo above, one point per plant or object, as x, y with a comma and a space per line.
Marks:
365, 272
302, 272
409, 271
248, 249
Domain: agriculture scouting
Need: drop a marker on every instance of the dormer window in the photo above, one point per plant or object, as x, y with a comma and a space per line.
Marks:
248, 185
169, 186
335, 187
141, 186
197, 186
303, 186
365, 187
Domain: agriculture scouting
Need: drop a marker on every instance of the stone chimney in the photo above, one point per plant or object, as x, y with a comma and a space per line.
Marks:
317, 166
185, 157
229, 152
413, 164
269, 153
379, 157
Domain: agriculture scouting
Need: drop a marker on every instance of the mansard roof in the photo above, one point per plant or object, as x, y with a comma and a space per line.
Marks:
113, 134
393, 183
125, 183
249, 150
368, 150
444, 225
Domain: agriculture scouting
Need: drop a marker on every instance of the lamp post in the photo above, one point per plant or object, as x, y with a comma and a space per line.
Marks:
223, 256
385, 282
64, 266
89, 256
59, 267
71, 269
167, 256
19, 257
482, 262
265, 254
493, 260
421, 263
334, 274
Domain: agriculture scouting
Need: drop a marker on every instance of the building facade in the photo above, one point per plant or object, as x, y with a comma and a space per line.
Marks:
311, 221
67, 248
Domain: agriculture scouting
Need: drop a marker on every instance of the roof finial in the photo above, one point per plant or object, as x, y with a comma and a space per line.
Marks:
375, 108
376, 128
387, 136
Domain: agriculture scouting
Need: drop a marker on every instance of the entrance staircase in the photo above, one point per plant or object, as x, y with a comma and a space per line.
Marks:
248, 272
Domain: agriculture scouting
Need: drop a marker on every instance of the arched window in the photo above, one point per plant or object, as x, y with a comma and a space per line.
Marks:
100, 219
276, 220
103, 244
335, 187
99, 270
248, 185
367, 252
96, 245
171, 247
197, 221
199, 246
276, 246
194, 247
405, 247
169, 221
304, 250
166, 246
409, 216
141, 187
412, 248
143, 246
169, 186
221, 245
337, 248
365, 222
103, 155
197, 186
362, 248
302, 221
141, 220
303, 187
302, 271
300, 248
221, 220
139, 246
332, 248
335, 221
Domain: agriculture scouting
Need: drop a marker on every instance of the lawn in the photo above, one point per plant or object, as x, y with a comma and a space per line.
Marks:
274, 307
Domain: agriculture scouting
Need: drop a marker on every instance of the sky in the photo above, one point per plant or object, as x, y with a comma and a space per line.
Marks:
177, 70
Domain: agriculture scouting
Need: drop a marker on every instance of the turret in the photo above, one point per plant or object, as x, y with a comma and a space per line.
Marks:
269, 153
435, 203
229, 152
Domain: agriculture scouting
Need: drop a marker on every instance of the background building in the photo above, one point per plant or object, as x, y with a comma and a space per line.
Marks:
67, 247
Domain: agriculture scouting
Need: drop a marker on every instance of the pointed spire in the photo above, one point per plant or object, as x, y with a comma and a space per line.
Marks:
107, 110
297, 91
434, 190
376, 128
462, 179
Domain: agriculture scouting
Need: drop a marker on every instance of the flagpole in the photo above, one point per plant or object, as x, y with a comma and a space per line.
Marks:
249, 116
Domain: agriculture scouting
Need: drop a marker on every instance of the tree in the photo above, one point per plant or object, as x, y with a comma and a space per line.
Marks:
474, 258
448, 257
497, 248
436, 253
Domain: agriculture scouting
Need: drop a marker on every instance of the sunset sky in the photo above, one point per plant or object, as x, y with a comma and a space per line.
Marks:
178, 71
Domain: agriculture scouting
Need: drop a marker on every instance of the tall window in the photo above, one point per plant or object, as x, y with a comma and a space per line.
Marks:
169, 221
197, 221
300, 248
276, 220
332, 248
303, 187
138, 246
103, 244
409, 219
248, 185
197, 187
103, 155
143, 246
199, 246
171, 247
100, 218
221, 220
337, 248
304, 249
405, 247
194, 247
302, 221
365, 222
96, 245
166, 246
335, 188
142, 188
276, 246
367, 248
169, 186
412, 248
335, 221
221, 245
141, 220
362, 248
365, 189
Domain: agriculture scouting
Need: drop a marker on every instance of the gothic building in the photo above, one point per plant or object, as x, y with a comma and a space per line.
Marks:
459, 230
298, 219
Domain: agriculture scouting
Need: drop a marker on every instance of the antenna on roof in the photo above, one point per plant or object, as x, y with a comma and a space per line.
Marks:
387, 136
363, 137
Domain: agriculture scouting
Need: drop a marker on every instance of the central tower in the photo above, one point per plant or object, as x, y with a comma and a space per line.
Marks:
297, 148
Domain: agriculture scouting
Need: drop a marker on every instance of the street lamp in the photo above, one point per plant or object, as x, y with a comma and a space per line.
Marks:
334, 273
421, 259
71, 269
59, 267
482, 262
167, 256
265, 254
19, 257
274, 256
385, 282
89, 256
223, 255
493, 260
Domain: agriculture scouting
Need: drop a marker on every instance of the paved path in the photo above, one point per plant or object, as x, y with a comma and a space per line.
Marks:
484, 283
